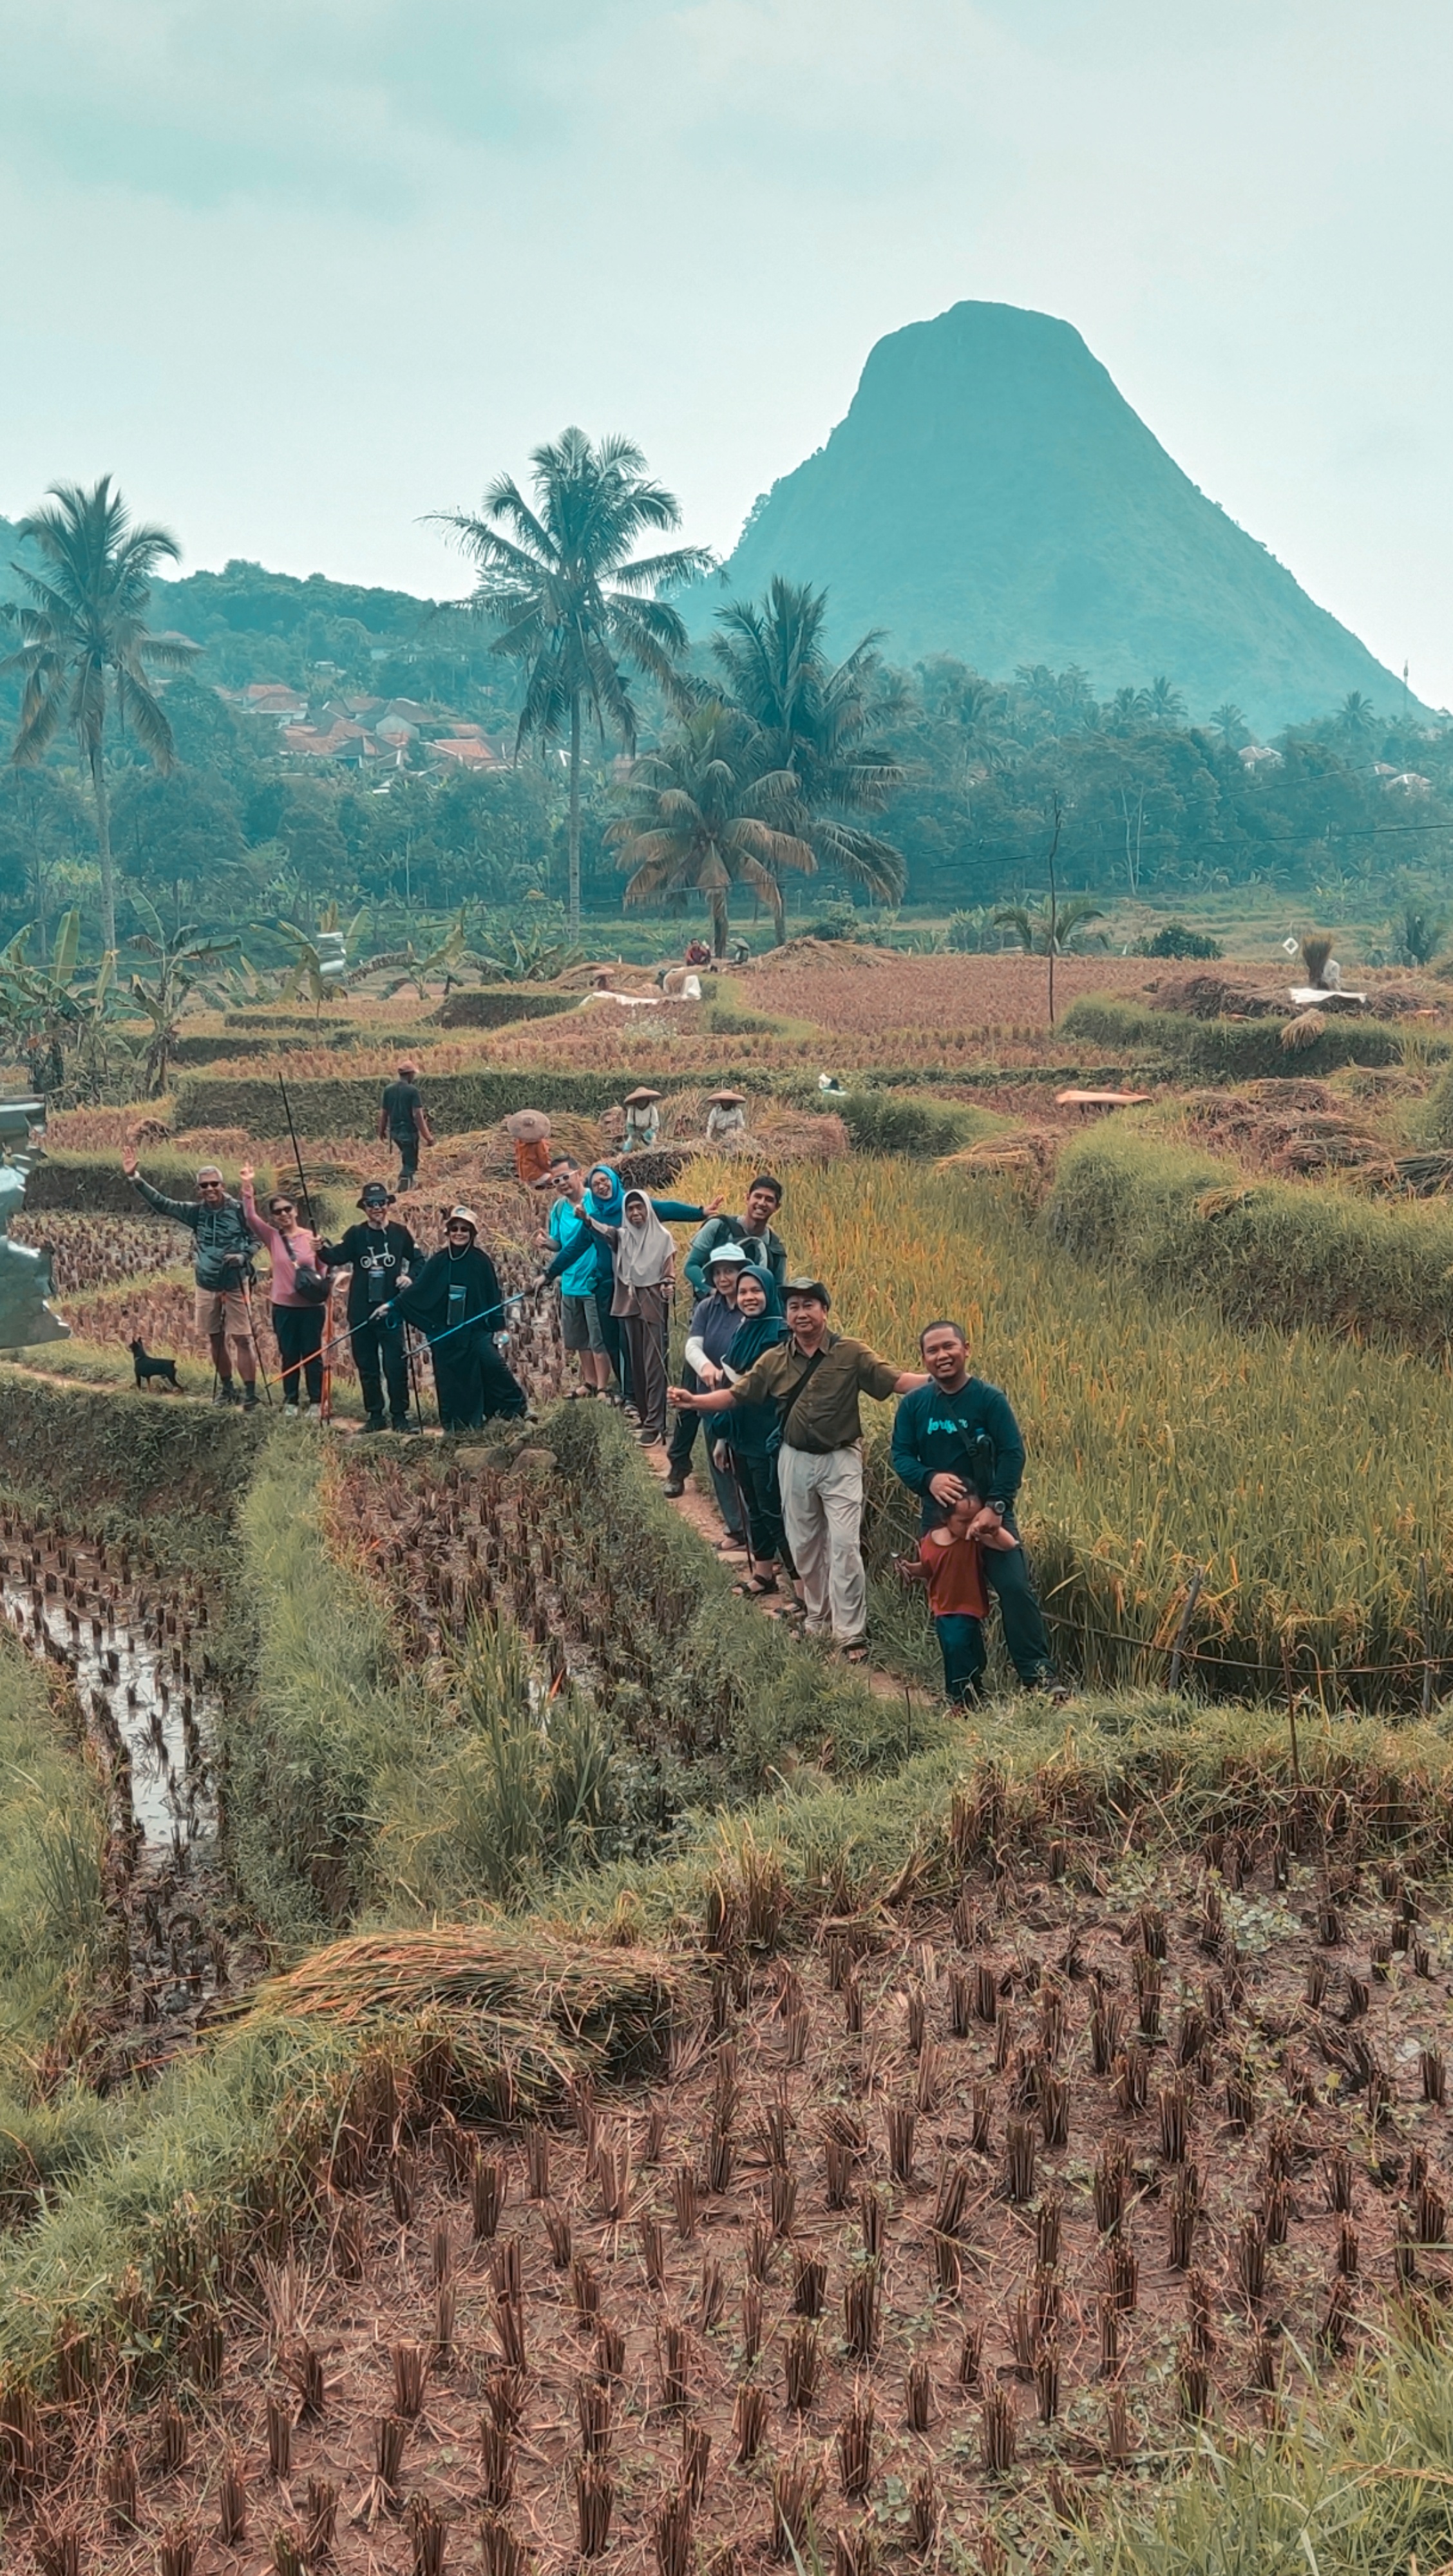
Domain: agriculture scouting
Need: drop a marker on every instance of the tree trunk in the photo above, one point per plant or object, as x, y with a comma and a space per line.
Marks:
718, 903
574, 853
103, 850
779, 919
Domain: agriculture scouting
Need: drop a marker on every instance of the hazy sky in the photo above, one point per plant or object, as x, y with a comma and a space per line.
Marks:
301, 273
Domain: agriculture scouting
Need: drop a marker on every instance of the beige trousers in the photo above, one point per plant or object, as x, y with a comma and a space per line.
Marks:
822, 1508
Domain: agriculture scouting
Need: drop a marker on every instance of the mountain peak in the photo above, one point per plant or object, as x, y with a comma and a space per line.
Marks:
991, 494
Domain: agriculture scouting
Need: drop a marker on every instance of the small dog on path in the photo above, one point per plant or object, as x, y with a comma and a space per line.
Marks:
147, 1368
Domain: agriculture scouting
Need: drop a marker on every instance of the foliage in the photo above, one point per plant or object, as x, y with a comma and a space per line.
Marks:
85, 650
1417, 932
1061, 928
177, 959
1222, 1050
53, 1933
814, 722
571, 599
703, 816
61, 1021
1175, 939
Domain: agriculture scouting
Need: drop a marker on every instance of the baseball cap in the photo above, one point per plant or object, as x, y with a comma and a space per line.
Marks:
807, 1288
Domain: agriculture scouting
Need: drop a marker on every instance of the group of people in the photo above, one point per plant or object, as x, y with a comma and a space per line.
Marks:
777, 1388
780, 1393
452, 1295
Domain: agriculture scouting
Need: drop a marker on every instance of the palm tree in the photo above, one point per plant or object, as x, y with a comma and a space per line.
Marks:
1164, 703
1356, 719
813, 719
84, 646
1229, 722
701, 818
1032, 929
559, 582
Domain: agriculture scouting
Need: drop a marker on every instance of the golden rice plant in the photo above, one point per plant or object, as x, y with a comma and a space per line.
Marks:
1302, 1476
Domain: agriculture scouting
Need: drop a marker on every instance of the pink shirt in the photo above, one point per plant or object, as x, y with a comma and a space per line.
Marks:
304, 1248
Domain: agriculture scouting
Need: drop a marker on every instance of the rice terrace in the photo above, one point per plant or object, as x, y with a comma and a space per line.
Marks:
514, 2057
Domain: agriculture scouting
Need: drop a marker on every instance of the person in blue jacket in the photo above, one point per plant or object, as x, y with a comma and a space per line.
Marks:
605, 1201
957, 1436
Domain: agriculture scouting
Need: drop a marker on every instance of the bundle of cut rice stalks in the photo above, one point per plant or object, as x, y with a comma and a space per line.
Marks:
1025, 1154
519, 2015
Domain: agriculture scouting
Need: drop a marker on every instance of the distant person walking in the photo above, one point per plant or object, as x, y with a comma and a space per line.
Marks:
456, 1300
381, 1255
815, 1379
222, 1270
955, 1439
403, 1121
297, 1316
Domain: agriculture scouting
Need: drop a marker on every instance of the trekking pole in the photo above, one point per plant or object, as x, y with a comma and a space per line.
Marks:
325, 1391
297, 1157
252, 1334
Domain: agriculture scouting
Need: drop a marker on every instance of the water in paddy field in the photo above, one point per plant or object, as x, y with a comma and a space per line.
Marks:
132, 1642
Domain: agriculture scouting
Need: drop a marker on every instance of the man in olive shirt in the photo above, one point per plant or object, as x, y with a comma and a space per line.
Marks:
815, 1379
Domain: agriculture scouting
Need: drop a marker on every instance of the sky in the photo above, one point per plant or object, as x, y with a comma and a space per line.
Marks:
301, 274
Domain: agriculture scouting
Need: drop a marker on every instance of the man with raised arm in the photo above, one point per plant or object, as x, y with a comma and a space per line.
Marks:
815, 1378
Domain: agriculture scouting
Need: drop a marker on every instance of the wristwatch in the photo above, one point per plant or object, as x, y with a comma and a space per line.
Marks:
992, 1506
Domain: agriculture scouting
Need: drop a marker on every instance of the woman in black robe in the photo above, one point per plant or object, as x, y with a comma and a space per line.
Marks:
456, 1302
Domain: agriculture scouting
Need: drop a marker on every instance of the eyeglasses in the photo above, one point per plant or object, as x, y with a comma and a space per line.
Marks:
282, 1207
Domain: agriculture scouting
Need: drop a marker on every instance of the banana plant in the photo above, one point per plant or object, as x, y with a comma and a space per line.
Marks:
49, 1013
408, 965
312, 971
177, 962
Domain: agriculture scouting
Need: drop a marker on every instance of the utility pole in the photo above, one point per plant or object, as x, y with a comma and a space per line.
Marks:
1053, 907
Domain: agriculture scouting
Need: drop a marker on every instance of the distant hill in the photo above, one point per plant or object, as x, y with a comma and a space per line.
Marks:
991, 495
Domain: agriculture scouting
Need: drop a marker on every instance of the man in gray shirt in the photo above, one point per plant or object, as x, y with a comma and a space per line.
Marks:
222, 1269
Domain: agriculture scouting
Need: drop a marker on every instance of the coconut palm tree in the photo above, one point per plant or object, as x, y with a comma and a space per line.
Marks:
703, 816
85, 650
572, 601
1229, 721
1164, 703
1071, 923
1356, 719
814, 719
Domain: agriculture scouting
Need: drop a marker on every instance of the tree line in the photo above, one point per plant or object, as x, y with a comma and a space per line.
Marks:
674, 773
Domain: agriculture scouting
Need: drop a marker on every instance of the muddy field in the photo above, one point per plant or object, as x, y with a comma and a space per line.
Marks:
945, 2209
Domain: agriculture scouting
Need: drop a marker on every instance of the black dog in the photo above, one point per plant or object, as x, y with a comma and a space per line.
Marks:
147, 1368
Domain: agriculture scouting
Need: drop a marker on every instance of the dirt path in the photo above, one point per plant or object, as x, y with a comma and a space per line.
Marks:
699, 1512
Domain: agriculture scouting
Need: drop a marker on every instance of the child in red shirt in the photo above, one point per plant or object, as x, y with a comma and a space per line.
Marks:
957, 1597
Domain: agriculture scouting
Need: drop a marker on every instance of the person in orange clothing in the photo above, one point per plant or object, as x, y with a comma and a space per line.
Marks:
529, 1133
958, 1598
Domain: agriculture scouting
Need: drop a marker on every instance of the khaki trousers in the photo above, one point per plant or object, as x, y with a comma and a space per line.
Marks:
822, 1508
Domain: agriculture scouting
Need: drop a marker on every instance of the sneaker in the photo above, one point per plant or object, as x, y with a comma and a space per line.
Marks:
373, 1422
397, 1422
675, 1486
309, 1412
226, 1393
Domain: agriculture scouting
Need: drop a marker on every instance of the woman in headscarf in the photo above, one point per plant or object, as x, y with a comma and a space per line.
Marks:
602, 1213
645, 1273
746, 1452
456, 1301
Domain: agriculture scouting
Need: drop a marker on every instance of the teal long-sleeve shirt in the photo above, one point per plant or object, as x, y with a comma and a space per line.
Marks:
971, 1433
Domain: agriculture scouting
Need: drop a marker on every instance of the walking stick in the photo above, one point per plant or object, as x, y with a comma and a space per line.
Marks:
325, 1393
297, 1156
252, 1332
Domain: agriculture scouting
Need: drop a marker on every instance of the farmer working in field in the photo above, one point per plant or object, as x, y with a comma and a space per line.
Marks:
403, 1121
815, 1378
222, 1270
955, 1438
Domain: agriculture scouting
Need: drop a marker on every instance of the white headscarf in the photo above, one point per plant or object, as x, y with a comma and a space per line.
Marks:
644, 1253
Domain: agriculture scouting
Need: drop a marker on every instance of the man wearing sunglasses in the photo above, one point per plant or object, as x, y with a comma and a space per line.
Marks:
222, 1269
380, 1254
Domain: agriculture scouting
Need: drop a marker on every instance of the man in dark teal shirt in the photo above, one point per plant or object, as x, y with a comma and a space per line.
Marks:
955, 1436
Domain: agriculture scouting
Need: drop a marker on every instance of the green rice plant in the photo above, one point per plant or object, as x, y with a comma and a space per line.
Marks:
1304, 1477
53, 1930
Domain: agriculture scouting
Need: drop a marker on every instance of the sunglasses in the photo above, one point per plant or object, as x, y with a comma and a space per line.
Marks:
459, 1229
281, 1207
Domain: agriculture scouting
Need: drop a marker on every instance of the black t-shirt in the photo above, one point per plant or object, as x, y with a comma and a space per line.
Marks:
401, 1102
376, 1255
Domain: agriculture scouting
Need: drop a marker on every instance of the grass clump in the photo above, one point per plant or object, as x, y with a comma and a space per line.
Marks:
53, 1928
1263, 1253
1223, 1050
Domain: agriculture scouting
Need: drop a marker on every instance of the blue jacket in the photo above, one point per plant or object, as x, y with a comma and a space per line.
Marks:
972, 1434
574, 1246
